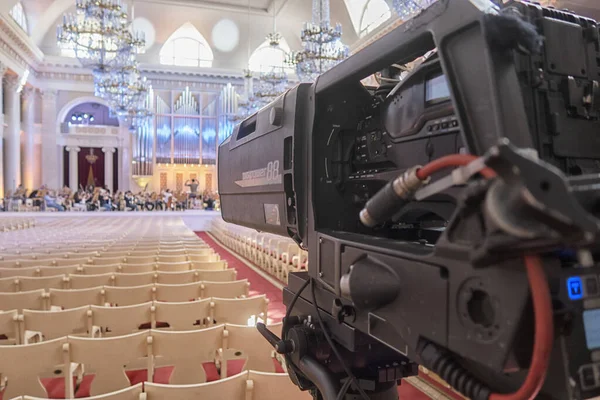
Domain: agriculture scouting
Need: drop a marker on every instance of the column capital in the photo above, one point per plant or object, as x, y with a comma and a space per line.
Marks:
3, 69
12, 82
108, 149
49, 94
74, 149
29, 94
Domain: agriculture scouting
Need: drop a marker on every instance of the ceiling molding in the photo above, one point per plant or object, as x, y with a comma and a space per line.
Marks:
211, 5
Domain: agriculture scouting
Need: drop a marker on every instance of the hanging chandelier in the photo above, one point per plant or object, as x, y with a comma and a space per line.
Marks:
124, 88
99, 33
323, 48
272, 80
406, 9
247, 103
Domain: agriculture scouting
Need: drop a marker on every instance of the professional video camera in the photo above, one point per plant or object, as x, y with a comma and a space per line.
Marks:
450, 213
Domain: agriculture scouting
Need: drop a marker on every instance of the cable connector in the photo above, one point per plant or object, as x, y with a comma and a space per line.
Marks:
392, 197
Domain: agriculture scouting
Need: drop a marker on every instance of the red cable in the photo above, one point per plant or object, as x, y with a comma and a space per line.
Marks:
540, 293
544, 333
452, 160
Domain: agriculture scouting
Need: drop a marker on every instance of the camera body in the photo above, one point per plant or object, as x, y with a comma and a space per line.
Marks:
446, 270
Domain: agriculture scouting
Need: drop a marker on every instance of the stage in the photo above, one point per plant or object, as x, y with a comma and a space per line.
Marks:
196, 220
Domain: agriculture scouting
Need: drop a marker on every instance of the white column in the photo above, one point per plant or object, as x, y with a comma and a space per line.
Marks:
50, 165
12, 172
108, 167
29, 96
73, 167
124, 156
3, 69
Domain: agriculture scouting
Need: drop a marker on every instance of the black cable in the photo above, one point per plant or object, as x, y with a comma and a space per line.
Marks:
292, 304
332, 345
344, 389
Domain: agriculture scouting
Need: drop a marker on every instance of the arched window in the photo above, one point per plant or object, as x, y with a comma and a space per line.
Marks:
18, 14
187, 48
366, 15
375, 13
267, 58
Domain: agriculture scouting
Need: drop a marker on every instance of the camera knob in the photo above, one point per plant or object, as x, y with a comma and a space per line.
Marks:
275, 116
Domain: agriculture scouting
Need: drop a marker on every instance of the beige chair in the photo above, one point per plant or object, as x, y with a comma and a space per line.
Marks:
34, 300
74, 298
199, 251
46, 325
225, 275
106, 261
139, 279
9, 327
259, 355
179, 293
127, 296
99, 269
107, 358
239, 311
9, 285
12, 272
226, 290
115, 321
203, 258
54, 271
272, 386
89, 281
25, 284
174, 267
23, 366
232, 388
131, 393
138, 268
184, 316
208, 265
177, 278
63, 262
186, 351
172, 259
140, 260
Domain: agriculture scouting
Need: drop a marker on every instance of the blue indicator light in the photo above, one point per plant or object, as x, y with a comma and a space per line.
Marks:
575, 288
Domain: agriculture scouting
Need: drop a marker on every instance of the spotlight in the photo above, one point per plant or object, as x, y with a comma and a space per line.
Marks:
92, 118
73, 118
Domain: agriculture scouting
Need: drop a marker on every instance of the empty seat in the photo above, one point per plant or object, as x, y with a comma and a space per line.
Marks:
12, 272
226, 290
25, 283
74, 298
88, 281
259, 356
138, 268
239, 311
136, 279
184, 316
63, 262
126, 296
174, 267
47, 325
131, 393
9, 285
114, 321
186, 351
179, 293
225, 275
232, 388
33, 300
172, 259
106, 261
9, 327
64, 270
140, 260
107, 359
24, 366
99, 269
203, 258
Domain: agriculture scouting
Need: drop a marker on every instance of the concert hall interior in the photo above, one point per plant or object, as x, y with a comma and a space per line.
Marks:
119, 278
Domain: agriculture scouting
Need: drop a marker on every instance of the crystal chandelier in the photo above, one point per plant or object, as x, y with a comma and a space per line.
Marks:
406, 9
323, 48
248, 103
273, 79
99, 33
124, 88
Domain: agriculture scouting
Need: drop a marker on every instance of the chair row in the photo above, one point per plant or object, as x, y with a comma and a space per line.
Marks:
97, 251
277, 255
75, 281
30, 326
107, 261
93, 269
247, 385
108, 359
121, 296
11, 224
93, 257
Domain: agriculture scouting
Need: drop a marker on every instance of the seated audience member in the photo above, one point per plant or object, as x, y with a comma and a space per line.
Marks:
35, 196
167, 199
130, 201
51, 202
